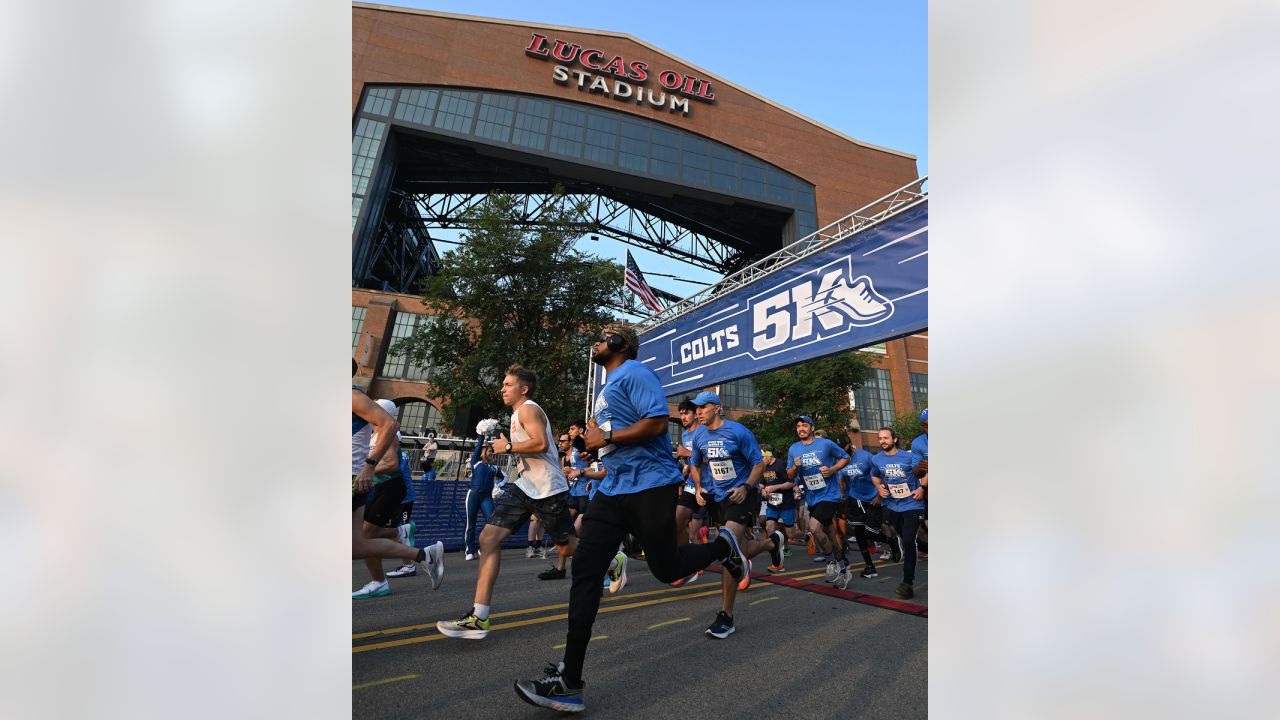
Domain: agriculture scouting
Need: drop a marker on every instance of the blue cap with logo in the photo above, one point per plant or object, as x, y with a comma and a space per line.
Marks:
804, 418
706, 396
924, 416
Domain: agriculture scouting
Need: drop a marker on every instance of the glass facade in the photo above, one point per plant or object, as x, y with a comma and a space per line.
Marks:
919, 390
738, 394
589, 135
874, 402
357, 323
415, 416
397, 365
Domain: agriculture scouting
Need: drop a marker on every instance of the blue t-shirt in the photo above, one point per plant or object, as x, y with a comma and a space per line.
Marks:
858, 475
687, 441
725, 457
410, 494
896, 470
920, 446
631, 394
578, 488
819, 453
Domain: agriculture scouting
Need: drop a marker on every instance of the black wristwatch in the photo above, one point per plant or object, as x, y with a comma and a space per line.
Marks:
608, 436
370, 461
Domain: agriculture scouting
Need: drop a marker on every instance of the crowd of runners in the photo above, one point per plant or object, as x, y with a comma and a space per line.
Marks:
611, 489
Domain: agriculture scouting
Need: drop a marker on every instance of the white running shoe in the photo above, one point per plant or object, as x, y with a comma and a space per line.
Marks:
373, 589
887, 554
529, 552
435, 563
842, 579
833, 569
618, 575
470, 556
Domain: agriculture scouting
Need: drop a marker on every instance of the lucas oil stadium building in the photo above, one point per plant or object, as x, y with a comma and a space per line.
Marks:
675, 159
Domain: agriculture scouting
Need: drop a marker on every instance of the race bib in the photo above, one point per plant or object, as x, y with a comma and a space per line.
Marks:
815, 482
775, 499
722, 470
899, 490
689, 489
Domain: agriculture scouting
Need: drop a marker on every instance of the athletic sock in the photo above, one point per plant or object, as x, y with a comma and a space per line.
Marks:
422, 555
480, 611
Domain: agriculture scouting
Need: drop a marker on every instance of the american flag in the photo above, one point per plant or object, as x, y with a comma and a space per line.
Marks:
635, 282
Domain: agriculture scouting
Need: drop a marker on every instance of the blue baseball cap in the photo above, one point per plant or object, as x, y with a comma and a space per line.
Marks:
804, 418
924, 416
706, 396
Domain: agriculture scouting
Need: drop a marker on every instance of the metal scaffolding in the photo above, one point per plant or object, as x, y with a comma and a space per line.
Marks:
605, 216
907, 196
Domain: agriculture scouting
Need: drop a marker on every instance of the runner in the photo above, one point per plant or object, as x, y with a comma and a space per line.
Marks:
405, 528
920, 446
637, 495
903, 495
574, 464
367, 416
687, 504
780, 506
863, 510
816, 461
540, 488
726, 455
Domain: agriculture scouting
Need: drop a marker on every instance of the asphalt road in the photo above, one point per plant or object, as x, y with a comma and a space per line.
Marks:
796, 651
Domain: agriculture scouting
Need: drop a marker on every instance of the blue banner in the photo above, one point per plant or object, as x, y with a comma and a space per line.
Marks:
870, 287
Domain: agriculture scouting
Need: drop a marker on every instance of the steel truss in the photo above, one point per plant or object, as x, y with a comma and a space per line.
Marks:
605, 216
907, 196
403, 247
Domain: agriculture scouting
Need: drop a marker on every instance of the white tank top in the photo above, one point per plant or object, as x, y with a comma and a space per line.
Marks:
539, 475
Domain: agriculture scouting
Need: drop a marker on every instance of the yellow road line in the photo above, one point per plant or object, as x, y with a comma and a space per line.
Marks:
593, 638
531, 621
669, 622
763, 599
523, 611
382, 682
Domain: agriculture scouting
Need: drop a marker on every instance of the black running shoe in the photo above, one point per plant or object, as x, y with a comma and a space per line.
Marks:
776, 553
551, 573
905, 591
869, 572
722, 627
736, 564
551, 692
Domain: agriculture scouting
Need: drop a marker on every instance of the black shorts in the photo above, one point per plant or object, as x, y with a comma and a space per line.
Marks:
579, 503
383, 509
824, 512
406, 512
743, 513
864, 512
513, 507
687, 499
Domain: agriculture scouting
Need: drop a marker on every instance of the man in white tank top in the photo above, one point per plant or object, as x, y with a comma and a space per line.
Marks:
539, 488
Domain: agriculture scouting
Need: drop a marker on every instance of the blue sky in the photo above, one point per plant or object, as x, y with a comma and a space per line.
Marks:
857, 66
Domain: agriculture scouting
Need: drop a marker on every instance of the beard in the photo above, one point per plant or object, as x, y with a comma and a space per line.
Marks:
600, 358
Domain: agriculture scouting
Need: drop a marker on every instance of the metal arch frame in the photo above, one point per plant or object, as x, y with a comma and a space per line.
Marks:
395, 243
606, 216
904, 197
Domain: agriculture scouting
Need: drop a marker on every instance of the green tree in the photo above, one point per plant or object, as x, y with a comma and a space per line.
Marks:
908, 427
516, 293
819, 388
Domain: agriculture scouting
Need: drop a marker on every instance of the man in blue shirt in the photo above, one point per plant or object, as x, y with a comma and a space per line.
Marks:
903, 496
863, 510
816, 462
726, 465
689, 512
637, 495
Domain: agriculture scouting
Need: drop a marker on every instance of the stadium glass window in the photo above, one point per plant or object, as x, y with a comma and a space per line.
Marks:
665, 153
356, 204
532, 120
566, 131
779, 186
497, 114
919, 390
739, 394
378, 101
417, 106
677, 399
874, 401
364, 150
602, 138
357, 324
695, 160
633, 147
724, 168
415, 416
676, 433
397, 365
457, 108
753, 179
